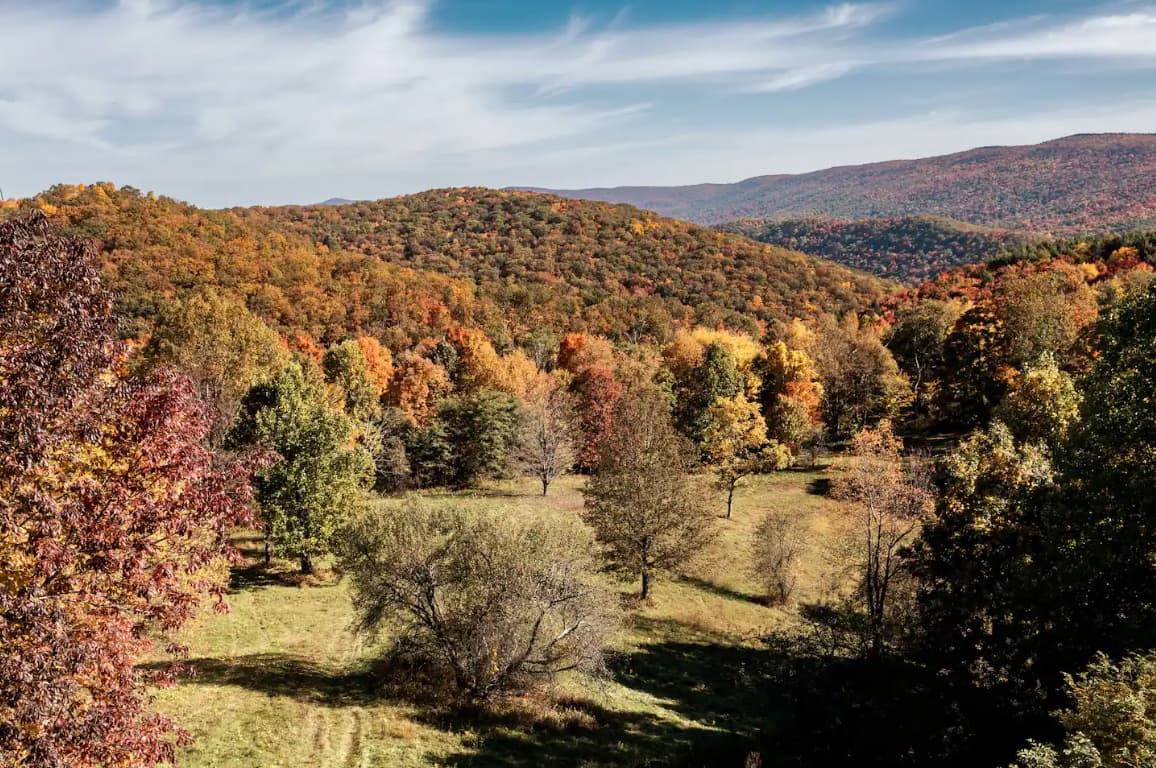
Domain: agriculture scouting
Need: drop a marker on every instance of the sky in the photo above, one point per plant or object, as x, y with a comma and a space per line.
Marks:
245, 102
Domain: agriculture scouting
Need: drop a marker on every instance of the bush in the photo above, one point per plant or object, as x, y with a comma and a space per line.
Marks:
487, 603
778, 543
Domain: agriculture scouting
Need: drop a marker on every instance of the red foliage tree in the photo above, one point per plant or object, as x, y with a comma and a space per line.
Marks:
112, 513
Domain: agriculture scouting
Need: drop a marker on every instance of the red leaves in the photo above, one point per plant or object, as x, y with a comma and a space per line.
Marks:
111, 509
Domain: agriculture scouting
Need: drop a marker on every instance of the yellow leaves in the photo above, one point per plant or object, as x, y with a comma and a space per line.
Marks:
736, 427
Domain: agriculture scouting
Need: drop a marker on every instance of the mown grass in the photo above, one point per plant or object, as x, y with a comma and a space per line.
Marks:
282, 681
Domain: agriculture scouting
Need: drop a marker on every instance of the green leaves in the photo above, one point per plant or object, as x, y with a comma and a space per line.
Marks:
306, 495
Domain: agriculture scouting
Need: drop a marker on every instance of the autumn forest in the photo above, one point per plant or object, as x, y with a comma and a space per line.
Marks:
496, 477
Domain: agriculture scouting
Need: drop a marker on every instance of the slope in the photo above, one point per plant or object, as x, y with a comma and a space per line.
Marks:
1078, 183
910, 249
512, 264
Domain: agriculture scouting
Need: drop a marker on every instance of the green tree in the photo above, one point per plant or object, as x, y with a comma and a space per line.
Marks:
699, 387
306, 495
640, 500
916, 340
482, 430
1031, 566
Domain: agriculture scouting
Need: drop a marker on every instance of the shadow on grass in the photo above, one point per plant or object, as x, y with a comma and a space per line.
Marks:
277, 674
574, 733
722, 591
820, 486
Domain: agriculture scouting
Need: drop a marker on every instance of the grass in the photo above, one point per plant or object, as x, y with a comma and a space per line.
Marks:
281, 681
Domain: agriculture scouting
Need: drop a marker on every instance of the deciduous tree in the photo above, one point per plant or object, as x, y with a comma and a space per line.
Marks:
111, 513
318, 481
640, 501
548, 441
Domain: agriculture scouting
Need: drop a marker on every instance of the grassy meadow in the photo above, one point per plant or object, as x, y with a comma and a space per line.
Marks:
281, 680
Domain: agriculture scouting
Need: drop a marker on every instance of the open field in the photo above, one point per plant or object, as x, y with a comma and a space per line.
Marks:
281, 681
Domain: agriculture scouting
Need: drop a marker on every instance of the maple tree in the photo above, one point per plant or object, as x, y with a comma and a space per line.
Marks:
112, 514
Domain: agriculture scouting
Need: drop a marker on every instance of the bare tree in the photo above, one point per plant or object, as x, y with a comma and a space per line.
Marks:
778, 543
492, 603
547, 448
893, 496
641, 501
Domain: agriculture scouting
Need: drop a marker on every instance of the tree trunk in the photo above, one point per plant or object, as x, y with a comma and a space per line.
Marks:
730, 500
306, 565
267, 556
545, 486
645, 583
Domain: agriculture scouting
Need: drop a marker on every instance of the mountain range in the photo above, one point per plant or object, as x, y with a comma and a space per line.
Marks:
1074, 184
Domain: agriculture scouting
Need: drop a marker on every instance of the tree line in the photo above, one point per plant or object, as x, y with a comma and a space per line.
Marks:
988, 572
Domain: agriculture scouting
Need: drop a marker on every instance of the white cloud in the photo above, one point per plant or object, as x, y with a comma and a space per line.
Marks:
228, 105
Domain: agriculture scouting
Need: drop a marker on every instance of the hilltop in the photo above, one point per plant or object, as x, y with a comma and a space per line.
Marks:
910, 249
511, 263
1078, 183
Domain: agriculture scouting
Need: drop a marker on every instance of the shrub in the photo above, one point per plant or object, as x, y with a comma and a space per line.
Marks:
778, 544
488, 603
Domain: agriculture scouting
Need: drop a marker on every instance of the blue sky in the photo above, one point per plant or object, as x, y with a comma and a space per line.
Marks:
223, 102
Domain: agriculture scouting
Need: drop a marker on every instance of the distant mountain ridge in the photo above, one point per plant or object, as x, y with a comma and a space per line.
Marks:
1074, 184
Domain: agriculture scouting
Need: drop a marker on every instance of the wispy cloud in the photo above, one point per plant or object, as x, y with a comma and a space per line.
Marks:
177, 90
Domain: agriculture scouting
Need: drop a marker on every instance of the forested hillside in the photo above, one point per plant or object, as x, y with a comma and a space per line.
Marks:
1074, 184
910, 249
416, 580
412, 267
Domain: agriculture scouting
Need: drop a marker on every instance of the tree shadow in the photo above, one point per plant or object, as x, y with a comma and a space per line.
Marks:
721, 686
722, 591
579, 732
820, 486
884, 712
278, 674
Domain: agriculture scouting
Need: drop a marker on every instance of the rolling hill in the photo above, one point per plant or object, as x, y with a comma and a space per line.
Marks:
911, 249
511, 263
1078, 183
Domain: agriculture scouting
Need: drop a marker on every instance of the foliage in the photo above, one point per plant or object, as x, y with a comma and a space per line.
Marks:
791, 395
1041, 404
1112, 723
112, 515
306, 495
221, 346
346, 366
1075, 184
405, 269
893, 499
1029, 569
482, 430
494, 604
735, 443
697, 387
862, 384
640, 502
917, 339
910, 249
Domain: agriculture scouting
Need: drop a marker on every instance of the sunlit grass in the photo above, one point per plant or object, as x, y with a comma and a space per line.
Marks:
283, 681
